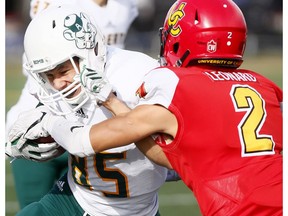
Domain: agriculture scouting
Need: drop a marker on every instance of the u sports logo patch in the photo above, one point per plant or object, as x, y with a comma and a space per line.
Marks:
176, 14
211, 46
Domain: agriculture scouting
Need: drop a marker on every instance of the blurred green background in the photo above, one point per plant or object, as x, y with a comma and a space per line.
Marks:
175, 198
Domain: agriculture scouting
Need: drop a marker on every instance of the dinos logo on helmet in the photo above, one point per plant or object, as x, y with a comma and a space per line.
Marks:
174, 16
80, 29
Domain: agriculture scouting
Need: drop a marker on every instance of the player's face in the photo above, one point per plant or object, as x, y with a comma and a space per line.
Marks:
63, 76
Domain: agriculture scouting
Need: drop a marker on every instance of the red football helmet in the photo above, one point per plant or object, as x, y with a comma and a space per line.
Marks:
203, 32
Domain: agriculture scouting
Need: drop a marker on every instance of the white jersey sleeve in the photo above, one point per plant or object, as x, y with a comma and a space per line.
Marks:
158, 87
125, 72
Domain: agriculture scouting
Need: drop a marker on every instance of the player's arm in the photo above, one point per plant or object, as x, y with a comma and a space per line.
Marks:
86, 140
153, 152
133, 126
147, 145
126, 128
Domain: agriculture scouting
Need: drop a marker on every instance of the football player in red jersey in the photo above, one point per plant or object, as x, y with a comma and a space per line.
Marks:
219, 126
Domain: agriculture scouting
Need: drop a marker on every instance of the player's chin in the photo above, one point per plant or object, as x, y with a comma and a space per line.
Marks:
74, 93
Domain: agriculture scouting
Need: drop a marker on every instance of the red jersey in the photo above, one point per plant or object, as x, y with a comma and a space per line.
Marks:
229, 140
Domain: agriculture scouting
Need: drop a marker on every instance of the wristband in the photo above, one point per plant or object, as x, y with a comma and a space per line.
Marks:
72, 136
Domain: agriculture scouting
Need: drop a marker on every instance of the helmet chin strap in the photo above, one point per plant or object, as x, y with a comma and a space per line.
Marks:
180, 61
163, 38
162, 61
78, 98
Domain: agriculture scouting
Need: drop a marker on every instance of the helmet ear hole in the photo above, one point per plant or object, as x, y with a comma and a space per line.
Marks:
53, 24
175, 47
196, 21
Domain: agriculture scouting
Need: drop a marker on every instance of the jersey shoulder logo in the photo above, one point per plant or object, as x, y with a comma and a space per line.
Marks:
141, 91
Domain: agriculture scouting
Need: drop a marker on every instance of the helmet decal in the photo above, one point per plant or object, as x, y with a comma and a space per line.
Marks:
81, 30
174, 17
211, 46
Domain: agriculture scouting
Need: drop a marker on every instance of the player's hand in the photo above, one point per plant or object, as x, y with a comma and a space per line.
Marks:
30, 125
31, 150
96, 84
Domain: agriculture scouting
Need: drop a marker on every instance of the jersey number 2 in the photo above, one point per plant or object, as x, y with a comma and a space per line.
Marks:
247, 99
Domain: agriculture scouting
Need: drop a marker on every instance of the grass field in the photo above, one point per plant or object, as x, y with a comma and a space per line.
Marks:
175, 198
